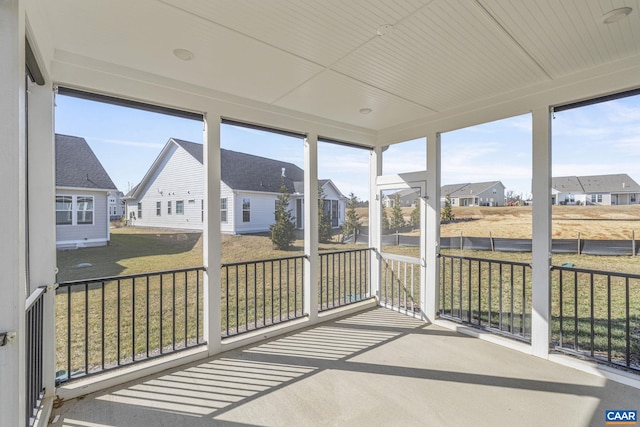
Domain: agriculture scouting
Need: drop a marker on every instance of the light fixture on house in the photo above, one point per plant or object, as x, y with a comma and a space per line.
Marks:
384, 30
184, 54
365, 110
615, 15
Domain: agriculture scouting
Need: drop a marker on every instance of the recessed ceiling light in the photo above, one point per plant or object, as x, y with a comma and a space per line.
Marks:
365, 110
384, 30
615, 15
184, 54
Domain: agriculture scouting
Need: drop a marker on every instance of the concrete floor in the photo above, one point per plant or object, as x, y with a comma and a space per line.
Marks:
376, 368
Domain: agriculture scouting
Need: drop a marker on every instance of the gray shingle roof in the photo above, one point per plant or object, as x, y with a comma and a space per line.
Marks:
613, 183
265, 173
77, 166
468, 189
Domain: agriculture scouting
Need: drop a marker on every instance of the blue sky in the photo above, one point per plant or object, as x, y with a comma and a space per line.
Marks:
599, 139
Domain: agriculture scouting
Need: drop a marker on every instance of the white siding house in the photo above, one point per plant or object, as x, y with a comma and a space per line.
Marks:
82, 192
614, 189
171, 193
489, 193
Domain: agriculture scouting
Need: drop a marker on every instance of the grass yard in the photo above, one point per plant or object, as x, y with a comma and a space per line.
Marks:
163, 310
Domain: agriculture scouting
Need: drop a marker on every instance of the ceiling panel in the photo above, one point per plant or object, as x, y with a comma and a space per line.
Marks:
568, 36
337, 97
321, 31
447, 54
143, 34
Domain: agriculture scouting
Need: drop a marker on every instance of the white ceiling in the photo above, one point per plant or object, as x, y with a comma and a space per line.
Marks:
324, 57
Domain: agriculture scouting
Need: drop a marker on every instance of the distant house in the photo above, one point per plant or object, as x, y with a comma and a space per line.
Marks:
406, 197
474, 194
115, 205
82, 192
614, 189
171, 194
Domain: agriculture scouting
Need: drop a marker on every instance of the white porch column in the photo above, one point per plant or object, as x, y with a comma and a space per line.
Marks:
12, 226
541, 257
375, 206
211, 234
431, 230
42, 223
311, 226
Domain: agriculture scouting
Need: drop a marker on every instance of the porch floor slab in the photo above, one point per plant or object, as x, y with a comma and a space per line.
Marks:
375, 368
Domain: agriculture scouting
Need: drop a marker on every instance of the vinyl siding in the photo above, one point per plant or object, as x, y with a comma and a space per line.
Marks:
179, 178
262, 212
85, 235
227, 192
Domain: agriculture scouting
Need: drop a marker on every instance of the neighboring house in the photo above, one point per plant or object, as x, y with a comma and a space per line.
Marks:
406, 197
82, 192
171, 194
474, 194
614, 189
115, 205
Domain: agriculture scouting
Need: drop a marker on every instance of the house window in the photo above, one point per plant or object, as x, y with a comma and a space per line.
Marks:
223, 210
63, 210
596, 198
84, 210
633, 198
180, 207
246, 210
169, 207
158, 208
139, 210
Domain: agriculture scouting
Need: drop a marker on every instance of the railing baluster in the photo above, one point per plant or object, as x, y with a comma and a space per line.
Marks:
173, 310
575, 311
161, 315
119, 332
186, 310
147, 310
133, 319
592, 319
627, 325
102, 326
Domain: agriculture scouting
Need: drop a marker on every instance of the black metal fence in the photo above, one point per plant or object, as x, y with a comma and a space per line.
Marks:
400, 283
109, 322
34, 312
344, 278
596, 314
485, 293
257, 294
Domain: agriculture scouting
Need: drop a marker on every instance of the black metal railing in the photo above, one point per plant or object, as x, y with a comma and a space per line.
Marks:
109, 322
344, 278
34, 322
488, 294
596, 314
400, 283
257, 294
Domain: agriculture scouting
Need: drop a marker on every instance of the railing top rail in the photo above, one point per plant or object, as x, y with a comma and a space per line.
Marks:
35, 295
597, 272
258, 261
401, 258
497, 261
130, 276
343, 251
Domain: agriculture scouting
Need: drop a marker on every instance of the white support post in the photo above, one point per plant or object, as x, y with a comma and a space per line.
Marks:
431, 230
212, 235
375, 232
42, 223
311, 226
541, 256
12, 226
